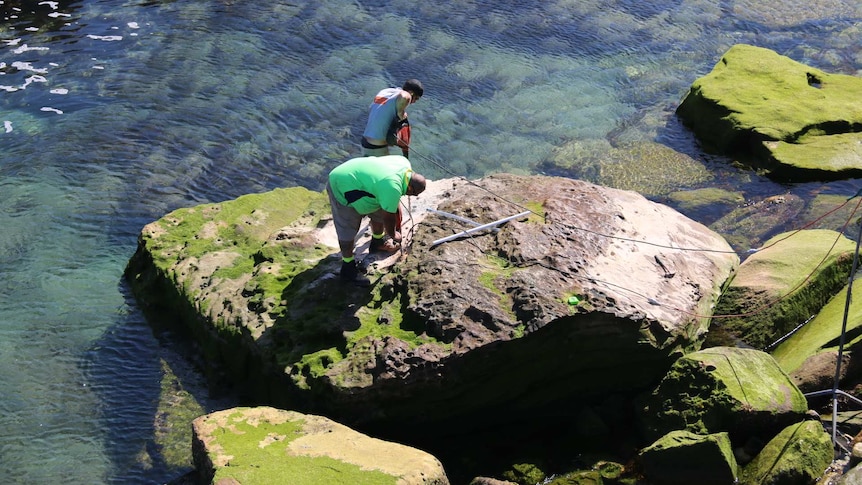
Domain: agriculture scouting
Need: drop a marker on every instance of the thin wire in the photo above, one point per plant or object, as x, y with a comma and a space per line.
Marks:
636, 241
655, 302
844, 330
815, 221
652, 301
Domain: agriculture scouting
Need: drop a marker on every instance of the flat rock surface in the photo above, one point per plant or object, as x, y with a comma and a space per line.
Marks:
264, 445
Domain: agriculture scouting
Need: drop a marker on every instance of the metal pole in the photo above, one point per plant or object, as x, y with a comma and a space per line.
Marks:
479, 228
843, 332
456, 217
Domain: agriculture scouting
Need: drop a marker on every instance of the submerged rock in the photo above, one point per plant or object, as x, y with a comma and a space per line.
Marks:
748, 225
647, 167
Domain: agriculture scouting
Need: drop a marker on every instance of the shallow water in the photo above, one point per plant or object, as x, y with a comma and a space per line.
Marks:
114, 112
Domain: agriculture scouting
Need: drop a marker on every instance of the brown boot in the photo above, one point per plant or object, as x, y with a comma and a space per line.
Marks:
383, 245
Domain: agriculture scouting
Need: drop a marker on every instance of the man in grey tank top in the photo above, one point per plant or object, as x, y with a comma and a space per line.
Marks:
387, 109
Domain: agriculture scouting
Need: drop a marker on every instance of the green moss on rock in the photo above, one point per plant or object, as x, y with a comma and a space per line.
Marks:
783, 285
257, 451
823, 332
741, 391
798, 454
758, 103
683, 457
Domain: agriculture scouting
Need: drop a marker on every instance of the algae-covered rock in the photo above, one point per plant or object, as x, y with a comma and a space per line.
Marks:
601, 472
707, 205
525, 473
824, 331
831, 211
783, 284
741, 391
582, 477
705, 197
799, 454
265, 445
206, 270
683, 458
792, 120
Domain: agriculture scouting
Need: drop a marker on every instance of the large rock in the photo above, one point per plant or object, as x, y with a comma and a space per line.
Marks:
502, 301
799, 454
597, 291
265, 445
794, 121
683, 458
724, 389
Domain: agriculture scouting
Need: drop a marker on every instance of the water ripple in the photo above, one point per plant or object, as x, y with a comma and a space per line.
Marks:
113, 113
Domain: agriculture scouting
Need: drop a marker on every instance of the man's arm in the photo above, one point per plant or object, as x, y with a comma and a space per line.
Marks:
401, 104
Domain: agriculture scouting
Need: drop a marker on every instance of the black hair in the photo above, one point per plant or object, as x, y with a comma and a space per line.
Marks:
414, 86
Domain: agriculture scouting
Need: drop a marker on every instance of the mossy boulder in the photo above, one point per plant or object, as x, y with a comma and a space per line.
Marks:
782, 285
683, 458
793, 121
723, 389
264, 445
206, 270
799, 454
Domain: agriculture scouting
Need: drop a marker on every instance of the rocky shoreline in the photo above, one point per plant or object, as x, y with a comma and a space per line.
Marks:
599, 338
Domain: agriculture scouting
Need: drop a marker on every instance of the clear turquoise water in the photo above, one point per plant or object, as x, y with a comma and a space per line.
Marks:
114, 112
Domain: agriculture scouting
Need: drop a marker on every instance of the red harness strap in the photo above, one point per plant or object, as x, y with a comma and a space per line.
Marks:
399, 135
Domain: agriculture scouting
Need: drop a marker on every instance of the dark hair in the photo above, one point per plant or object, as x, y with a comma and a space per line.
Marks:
414, 86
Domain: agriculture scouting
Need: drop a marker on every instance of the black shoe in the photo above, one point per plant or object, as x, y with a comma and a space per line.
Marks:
351, 274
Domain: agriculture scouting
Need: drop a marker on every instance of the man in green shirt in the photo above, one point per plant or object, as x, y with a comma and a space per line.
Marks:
369, 187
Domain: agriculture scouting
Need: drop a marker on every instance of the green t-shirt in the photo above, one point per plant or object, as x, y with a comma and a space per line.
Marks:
371, 183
